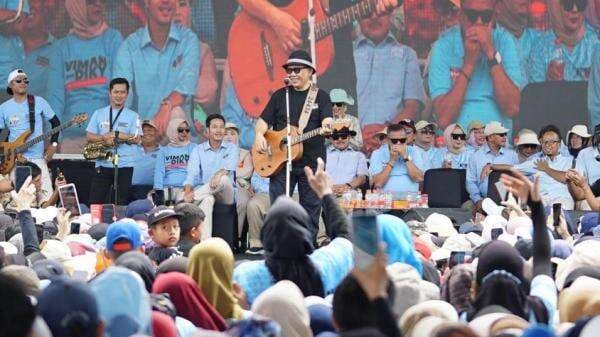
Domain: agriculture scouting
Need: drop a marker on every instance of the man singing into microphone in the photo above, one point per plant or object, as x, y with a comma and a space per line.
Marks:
299, 68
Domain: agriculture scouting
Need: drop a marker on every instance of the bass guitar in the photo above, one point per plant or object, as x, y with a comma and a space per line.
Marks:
11, 151
269, 163
256, 57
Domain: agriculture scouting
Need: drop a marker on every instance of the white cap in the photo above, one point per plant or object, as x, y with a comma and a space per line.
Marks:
528, 138
493, 128
440, 224
423, 124
580, 130
14, 74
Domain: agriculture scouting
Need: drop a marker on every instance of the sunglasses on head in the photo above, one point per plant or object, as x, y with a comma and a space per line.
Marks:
473, 15
22, 80
460, 136
181, 130
289, 71
569, 5
339, 104
396, 140
336, 137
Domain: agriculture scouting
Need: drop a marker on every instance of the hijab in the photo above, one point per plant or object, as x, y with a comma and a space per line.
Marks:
174, 264
284, 303
163, 325
287, 243
592, 13
123, 302
557, 21
398, 238
77, 10
173, 134
189, 301
448, 137
457, 286
139, 263
210, 264
506, 15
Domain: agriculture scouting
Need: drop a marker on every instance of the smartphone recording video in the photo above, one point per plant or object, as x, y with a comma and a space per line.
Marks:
69, 199
21, 174
365, 236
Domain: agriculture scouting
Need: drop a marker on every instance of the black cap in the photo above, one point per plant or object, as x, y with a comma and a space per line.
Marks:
160, 213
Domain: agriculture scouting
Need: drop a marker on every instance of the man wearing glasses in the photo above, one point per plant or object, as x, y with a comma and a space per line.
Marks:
396, 167
425, 137
483, 160
475, 73
346, 166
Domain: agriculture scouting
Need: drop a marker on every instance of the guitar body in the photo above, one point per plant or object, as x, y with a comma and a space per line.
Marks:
9, 156
267, 165
256, 57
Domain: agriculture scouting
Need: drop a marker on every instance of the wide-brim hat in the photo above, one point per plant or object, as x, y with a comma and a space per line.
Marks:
580, 130
300, 58
528, 139
344, 131
340, 96
230, 125
494, 128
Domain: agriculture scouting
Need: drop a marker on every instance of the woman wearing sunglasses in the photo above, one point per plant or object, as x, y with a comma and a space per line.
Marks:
455, 154
170, 170
564, 53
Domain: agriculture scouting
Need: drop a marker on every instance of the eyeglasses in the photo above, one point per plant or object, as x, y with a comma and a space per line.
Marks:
24, 80
396, 140
336, 137
182, 130
460, 136
549, 142
529, 146
289, 71
339, 104
473, 15
501, 134
569, 5
427, 132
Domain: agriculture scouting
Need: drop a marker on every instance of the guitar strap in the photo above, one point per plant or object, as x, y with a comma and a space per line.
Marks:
31, 104
308, 107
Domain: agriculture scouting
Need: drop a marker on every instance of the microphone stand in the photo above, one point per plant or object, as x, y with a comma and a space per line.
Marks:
288, 165
116, 169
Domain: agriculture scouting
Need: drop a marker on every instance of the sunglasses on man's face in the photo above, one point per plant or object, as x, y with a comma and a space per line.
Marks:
569, 5
336, 137
289, 71
503, 135
339, 104
457, 136
182, 130
22, 80
396, 140
529, 146
473, 15
427, 132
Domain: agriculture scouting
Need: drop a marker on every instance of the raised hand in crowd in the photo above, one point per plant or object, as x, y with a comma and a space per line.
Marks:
374, 279
513, 206
26, 195
519, 185
62, 219
319, 181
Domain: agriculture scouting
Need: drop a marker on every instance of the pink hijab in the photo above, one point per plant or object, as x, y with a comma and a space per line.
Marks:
77, 10
557, 22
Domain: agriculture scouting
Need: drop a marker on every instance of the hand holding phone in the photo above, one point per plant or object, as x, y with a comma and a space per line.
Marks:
365, 237
21, 174
69, 199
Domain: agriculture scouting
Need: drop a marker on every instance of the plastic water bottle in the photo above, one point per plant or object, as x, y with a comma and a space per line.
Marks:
558, 59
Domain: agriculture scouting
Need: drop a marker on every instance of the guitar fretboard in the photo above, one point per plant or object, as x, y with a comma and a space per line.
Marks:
344, 17
43, 137
307, 135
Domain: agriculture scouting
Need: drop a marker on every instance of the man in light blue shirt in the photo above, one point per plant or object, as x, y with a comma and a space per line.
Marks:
550, 165
396, 167
480, 164
114, 123
475, 72
256, 210
162, 60
212, 164
432, 157
388, 79
143, 172
346, 166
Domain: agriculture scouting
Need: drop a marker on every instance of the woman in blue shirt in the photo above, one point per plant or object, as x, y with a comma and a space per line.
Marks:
455, 154
171, 165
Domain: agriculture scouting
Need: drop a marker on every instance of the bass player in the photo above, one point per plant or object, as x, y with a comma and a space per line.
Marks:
299, 68
16, 115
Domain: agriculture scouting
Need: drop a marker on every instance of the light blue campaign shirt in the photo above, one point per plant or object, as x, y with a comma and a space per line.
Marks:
259, 184
447, 55
431, 158
143, 171
345, 165
387, 74
170, 169
155, 73
478, 189
234, 113
578, 62
36, 65
205, 162
399, 181
128, 122
458, 160
594, 90
15, 117
525, 45
80, 72
587, 164
548, 185
11, 57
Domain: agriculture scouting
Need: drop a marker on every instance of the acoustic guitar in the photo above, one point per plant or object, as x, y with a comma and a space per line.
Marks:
269, 163
10, 152
256, 57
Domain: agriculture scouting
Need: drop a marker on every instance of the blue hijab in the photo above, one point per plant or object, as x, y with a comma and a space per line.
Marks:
398, 239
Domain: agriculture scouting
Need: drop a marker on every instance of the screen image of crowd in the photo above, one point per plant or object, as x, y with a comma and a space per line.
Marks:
479, 107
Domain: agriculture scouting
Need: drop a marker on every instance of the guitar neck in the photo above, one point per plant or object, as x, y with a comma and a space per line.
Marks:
344, 17
306, 136
43, 137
